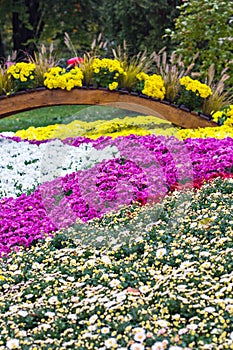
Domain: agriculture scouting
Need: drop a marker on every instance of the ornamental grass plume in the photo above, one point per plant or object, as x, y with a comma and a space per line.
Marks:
220, 96
132, 66
43, 60
6, 84
171, 70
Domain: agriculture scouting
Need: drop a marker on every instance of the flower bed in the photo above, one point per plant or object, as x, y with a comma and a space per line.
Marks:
115, 242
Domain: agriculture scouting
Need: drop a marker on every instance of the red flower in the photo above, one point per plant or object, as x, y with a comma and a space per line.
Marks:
75, 61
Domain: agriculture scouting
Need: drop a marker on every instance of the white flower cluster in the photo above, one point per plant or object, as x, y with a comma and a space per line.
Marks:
24, 166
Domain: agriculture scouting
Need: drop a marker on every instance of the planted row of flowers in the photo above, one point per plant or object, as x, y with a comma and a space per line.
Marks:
112, 74
105, 174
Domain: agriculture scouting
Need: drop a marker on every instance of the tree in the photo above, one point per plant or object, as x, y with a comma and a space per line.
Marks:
141, 23
28, 23
205, 26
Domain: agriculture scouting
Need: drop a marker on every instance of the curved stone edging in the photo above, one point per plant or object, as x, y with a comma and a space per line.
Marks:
43, 97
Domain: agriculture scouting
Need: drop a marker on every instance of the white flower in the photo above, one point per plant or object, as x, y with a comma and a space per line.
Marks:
52, 300
22, 334
158, 346
105, 330
143, 289
138, 330
140, 337
229, 308
162, 323
74, 299
192, 326
50, 314
105, 259
72, 317
174, 347
22, 313
93, 318
24, 166
44, 326
182, 331
160, 253
109, 343
137, 346
37, 266
209, 309
181, 288
114, 283
12, 344
13, 308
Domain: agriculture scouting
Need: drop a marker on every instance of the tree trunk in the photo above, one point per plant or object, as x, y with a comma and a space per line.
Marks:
26, 33
2, 48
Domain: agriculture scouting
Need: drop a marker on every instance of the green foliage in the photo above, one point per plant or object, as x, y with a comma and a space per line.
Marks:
31, 23
141, 23
205, 26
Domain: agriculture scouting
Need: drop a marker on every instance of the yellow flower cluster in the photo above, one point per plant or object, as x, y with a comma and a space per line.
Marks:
153, 86
139, 125
218, 133
58, 77
225, 116
107, 72
196, 86
22, 71
113, 86
107, 63
142, 76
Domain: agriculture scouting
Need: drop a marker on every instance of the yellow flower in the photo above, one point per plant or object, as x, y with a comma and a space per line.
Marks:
154, 87
196, 86
113, 86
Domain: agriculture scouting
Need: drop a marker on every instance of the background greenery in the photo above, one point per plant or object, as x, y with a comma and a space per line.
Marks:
26, 23
187, 27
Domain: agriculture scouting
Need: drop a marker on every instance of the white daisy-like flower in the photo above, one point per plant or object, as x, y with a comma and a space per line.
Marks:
140, 337
209, 309
114, 283
162, 323
105, 330
53, 300
22, 313
157, 346
110, 342
160, 253
143, 289
138, 330
93, 318
72, 317
12, 343
106, 260
137, 346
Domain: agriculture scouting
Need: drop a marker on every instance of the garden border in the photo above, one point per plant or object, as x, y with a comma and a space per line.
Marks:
43, 97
